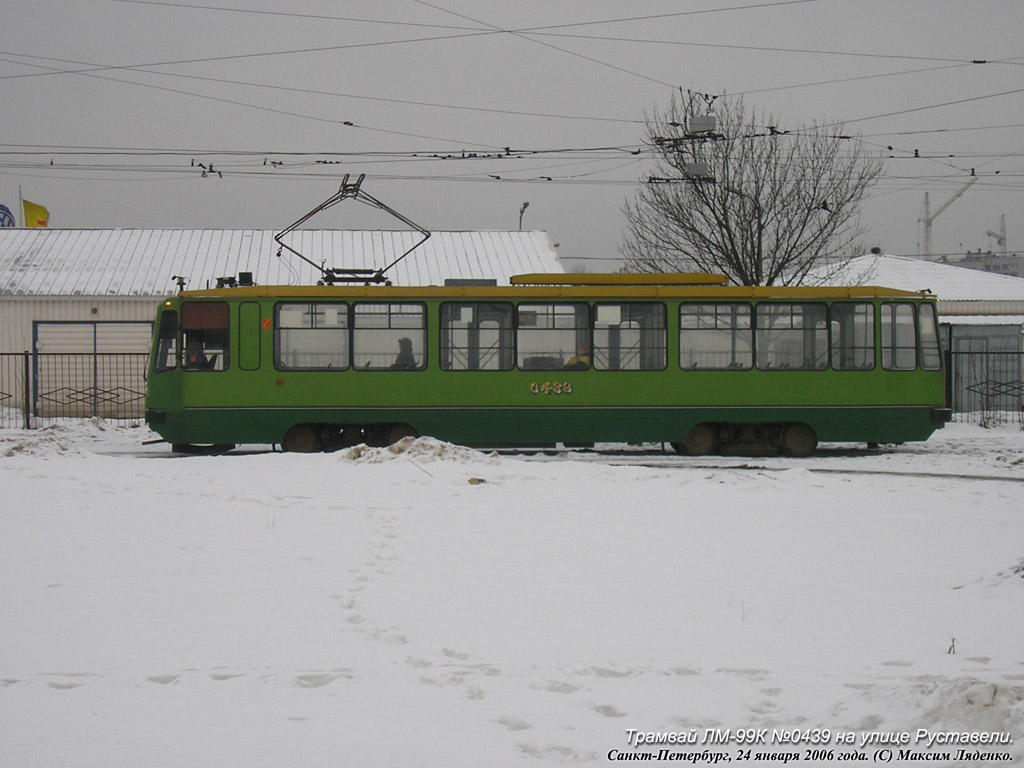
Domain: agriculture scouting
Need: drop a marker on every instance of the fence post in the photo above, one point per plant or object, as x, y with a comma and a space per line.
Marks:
28, 391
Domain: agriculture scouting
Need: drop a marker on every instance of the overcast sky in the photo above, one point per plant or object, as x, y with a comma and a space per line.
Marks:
108, 103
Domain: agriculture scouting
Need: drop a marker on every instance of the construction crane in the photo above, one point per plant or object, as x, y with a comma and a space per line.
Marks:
1000, 236
929, 217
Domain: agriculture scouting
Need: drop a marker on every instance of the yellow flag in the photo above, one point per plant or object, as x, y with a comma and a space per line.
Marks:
35, 214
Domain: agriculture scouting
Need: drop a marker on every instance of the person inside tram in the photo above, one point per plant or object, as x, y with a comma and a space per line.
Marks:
405, 361
195, 356
581, 361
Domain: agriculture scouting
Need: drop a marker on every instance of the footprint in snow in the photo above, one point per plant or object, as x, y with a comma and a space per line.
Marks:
319, 680
514, 723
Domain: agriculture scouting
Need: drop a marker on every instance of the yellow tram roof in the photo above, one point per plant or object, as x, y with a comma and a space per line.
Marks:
614, 278
579, 286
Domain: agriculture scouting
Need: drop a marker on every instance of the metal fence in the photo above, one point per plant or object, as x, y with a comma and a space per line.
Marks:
38, 388
986, 387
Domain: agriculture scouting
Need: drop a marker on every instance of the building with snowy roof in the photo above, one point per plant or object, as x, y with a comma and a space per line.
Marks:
77, 306
977, 310
96, 290
981, 316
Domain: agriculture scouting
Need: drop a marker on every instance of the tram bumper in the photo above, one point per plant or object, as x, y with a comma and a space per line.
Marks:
156, 417
942, 415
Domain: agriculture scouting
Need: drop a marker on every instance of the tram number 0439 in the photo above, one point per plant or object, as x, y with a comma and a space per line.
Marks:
551, 387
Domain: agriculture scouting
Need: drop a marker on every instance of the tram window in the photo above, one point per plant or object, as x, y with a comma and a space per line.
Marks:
629, 337
312, 336
715, 337
899, 337
853, 336
553, 336
791, 337
167, 341
477, 337
205, 327
928, 338
389, 337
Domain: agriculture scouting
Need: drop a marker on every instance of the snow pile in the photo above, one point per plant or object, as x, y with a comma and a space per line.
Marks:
418, 449
954, 705
49, 441
73, 438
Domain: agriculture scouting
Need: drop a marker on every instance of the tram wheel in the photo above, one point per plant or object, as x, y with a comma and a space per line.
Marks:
799, 440
300, 439
396, 432
700, 441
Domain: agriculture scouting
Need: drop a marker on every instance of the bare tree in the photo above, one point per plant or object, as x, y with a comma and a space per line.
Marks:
745, 198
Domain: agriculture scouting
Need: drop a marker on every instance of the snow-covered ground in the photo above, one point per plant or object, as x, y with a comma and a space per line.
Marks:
438, 606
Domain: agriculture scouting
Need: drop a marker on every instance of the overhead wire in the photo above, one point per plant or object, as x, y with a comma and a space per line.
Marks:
617, 20
287, 14
144, 68
759, 48
236, 56
290, 113
491, 29
591, 59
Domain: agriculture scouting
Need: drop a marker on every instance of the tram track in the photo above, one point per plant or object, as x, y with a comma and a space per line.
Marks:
668, 464
652, 460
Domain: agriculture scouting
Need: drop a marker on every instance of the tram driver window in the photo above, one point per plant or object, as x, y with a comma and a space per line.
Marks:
552, 337
928, 338
204, 326
389, 337
167, 341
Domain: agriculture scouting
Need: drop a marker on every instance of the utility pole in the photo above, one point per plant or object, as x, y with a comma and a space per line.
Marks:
929, 217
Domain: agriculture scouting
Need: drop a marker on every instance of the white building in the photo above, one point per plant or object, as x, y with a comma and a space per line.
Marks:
77, 306
96, 290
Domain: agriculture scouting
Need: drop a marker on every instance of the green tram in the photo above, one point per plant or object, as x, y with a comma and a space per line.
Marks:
682, 359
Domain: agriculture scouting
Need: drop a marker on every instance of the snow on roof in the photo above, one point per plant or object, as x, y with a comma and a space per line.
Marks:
947, 282
141, 262
984, 320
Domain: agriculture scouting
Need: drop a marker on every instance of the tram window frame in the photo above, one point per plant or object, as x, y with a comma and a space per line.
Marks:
205, 327
341, 359
771, 339
714, 322
899, 353
649, 352
852, 324
561, 354
167, 342
369, 341
470, 355
929, 350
